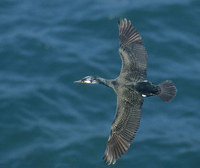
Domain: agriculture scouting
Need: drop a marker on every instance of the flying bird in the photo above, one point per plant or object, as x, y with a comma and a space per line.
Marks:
130, 87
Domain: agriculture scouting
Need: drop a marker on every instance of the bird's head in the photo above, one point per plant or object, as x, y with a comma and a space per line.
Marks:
88, 80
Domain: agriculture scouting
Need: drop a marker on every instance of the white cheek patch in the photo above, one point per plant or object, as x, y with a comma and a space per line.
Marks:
144, 95
87, 81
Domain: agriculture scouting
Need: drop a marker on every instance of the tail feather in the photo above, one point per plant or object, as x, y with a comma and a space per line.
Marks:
168, 91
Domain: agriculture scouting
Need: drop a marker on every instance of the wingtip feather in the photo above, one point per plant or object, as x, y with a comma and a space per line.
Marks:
116, 147
127, 32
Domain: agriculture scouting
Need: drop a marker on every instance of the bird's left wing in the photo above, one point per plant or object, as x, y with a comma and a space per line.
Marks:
132, 51
124, 126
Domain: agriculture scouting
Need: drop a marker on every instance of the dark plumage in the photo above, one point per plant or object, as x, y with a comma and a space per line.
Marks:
130, 88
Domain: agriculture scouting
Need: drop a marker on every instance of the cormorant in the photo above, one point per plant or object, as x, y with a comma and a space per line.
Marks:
130, 87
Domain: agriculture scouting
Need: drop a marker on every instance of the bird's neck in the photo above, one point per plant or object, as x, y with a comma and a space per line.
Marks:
103, 81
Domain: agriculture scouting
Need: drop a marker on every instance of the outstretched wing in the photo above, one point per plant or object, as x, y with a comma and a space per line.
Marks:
132, 51
124, 127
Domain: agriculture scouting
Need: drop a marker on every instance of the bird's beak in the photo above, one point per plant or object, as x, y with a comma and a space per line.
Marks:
78, 81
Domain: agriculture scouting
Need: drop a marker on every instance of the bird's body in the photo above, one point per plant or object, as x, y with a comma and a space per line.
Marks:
130, 87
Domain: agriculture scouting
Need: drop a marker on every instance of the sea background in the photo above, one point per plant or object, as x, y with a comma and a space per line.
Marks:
47, 121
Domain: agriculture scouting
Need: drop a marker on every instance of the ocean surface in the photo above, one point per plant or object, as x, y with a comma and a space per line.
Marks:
47, 121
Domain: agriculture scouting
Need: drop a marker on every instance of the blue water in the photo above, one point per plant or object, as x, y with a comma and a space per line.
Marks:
47, 121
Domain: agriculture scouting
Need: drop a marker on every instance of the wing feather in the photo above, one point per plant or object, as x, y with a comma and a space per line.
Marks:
132, 51
124, 127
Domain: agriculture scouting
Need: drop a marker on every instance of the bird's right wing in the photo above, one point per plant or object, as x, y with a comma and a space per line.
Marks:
124, 127
132, 51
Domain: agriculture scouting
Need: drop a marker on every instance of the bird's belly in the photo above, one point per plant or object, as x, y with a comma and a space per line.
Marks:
147, 88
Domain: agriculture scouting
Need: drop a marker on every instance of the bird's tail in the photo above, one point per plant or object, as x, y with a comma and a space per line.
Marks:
168, 91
